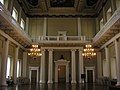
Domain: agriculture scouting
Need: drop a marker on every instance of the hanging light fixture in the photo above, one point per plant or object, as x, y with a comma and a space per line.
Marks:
34, 51
88, 51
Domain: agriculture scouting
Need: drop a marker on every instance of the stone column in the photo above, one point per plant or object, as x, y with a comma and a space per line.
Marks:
107, 61
45, 26
4, 62
99, 64
117, 51
81, 69
24, 67
42, 67
73, 66
79, 27
50, 66
15, 64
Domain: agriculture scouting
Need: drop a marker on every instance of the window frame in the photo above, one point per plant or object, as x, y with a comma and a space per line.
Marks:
14, 11
22, 23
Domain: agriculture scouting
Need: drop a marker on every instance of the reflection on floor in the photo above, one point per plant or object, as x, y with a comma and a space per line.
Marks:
59, 86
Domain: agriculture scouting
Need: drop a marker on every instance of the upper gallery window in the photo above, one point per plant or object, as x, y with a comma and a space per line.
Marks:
2, 1
101, 23
22, 24
109, 13
15, 14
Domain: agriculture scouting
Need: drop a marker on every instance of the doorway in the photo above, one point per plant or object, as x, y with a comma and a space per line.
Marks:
33, 74
90, 74
61, 73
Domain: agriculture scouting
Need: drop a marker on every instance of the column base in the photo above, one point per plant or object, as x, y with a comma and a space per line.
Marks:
67, 81
41, 82
73, 82
56, 81
50, 82
82, 81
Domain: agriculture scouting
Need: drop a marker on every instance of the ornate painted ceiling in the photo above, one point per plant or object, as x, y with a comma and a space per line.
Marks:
57, 8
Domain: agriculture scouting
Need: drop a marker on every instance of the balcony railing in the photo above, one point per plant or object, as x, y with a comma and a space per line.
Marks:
9, 21
114, 18
41, 39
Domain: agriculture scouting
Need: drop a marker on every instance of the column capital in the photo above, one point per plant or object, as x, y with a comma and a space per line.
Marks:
6, 39
17, 47
73, 49
106, 47
116, 40
45, 18
50, 50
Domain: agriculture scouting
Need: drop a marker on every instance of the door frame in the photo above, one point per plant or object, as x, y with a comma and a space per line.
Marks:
30, 72
90, 68
66, 64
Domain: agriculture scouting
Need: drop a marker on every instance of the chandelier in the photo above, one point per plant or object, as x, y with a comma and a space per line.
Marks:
88, 51
34, 51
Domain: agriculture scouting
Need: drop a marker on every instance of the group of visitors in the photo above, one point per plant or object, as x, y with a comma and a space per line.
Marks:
9, 81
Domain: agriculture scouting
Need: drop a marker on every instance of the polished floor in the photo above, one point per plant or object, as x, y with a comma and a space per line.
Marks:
60, 86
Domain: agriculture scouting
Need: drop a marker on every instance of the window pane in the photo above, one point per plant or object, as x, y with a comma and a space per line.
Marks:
15, 14
101, 23
22, 24
8, 67
109, 13
18, 68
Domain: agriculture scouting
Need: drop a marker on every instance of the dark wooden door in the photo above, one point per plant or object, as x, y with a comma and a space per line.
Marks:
33, 76
62, 73
90, 76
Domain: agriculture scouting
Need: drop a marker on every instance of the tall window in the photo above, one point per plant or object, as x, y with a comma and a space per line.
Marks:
109, 13
15, 14
22, 24
9, 67
18, 68
2, 1
101, 23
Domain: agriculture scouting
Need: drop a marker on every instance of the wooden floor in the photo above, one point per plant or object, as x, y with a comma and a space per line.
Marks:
60, 86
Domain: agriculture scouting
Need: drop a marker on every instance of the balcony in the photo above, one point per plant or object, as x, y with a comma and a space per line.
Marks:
109, 30
11, 27
61, 39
